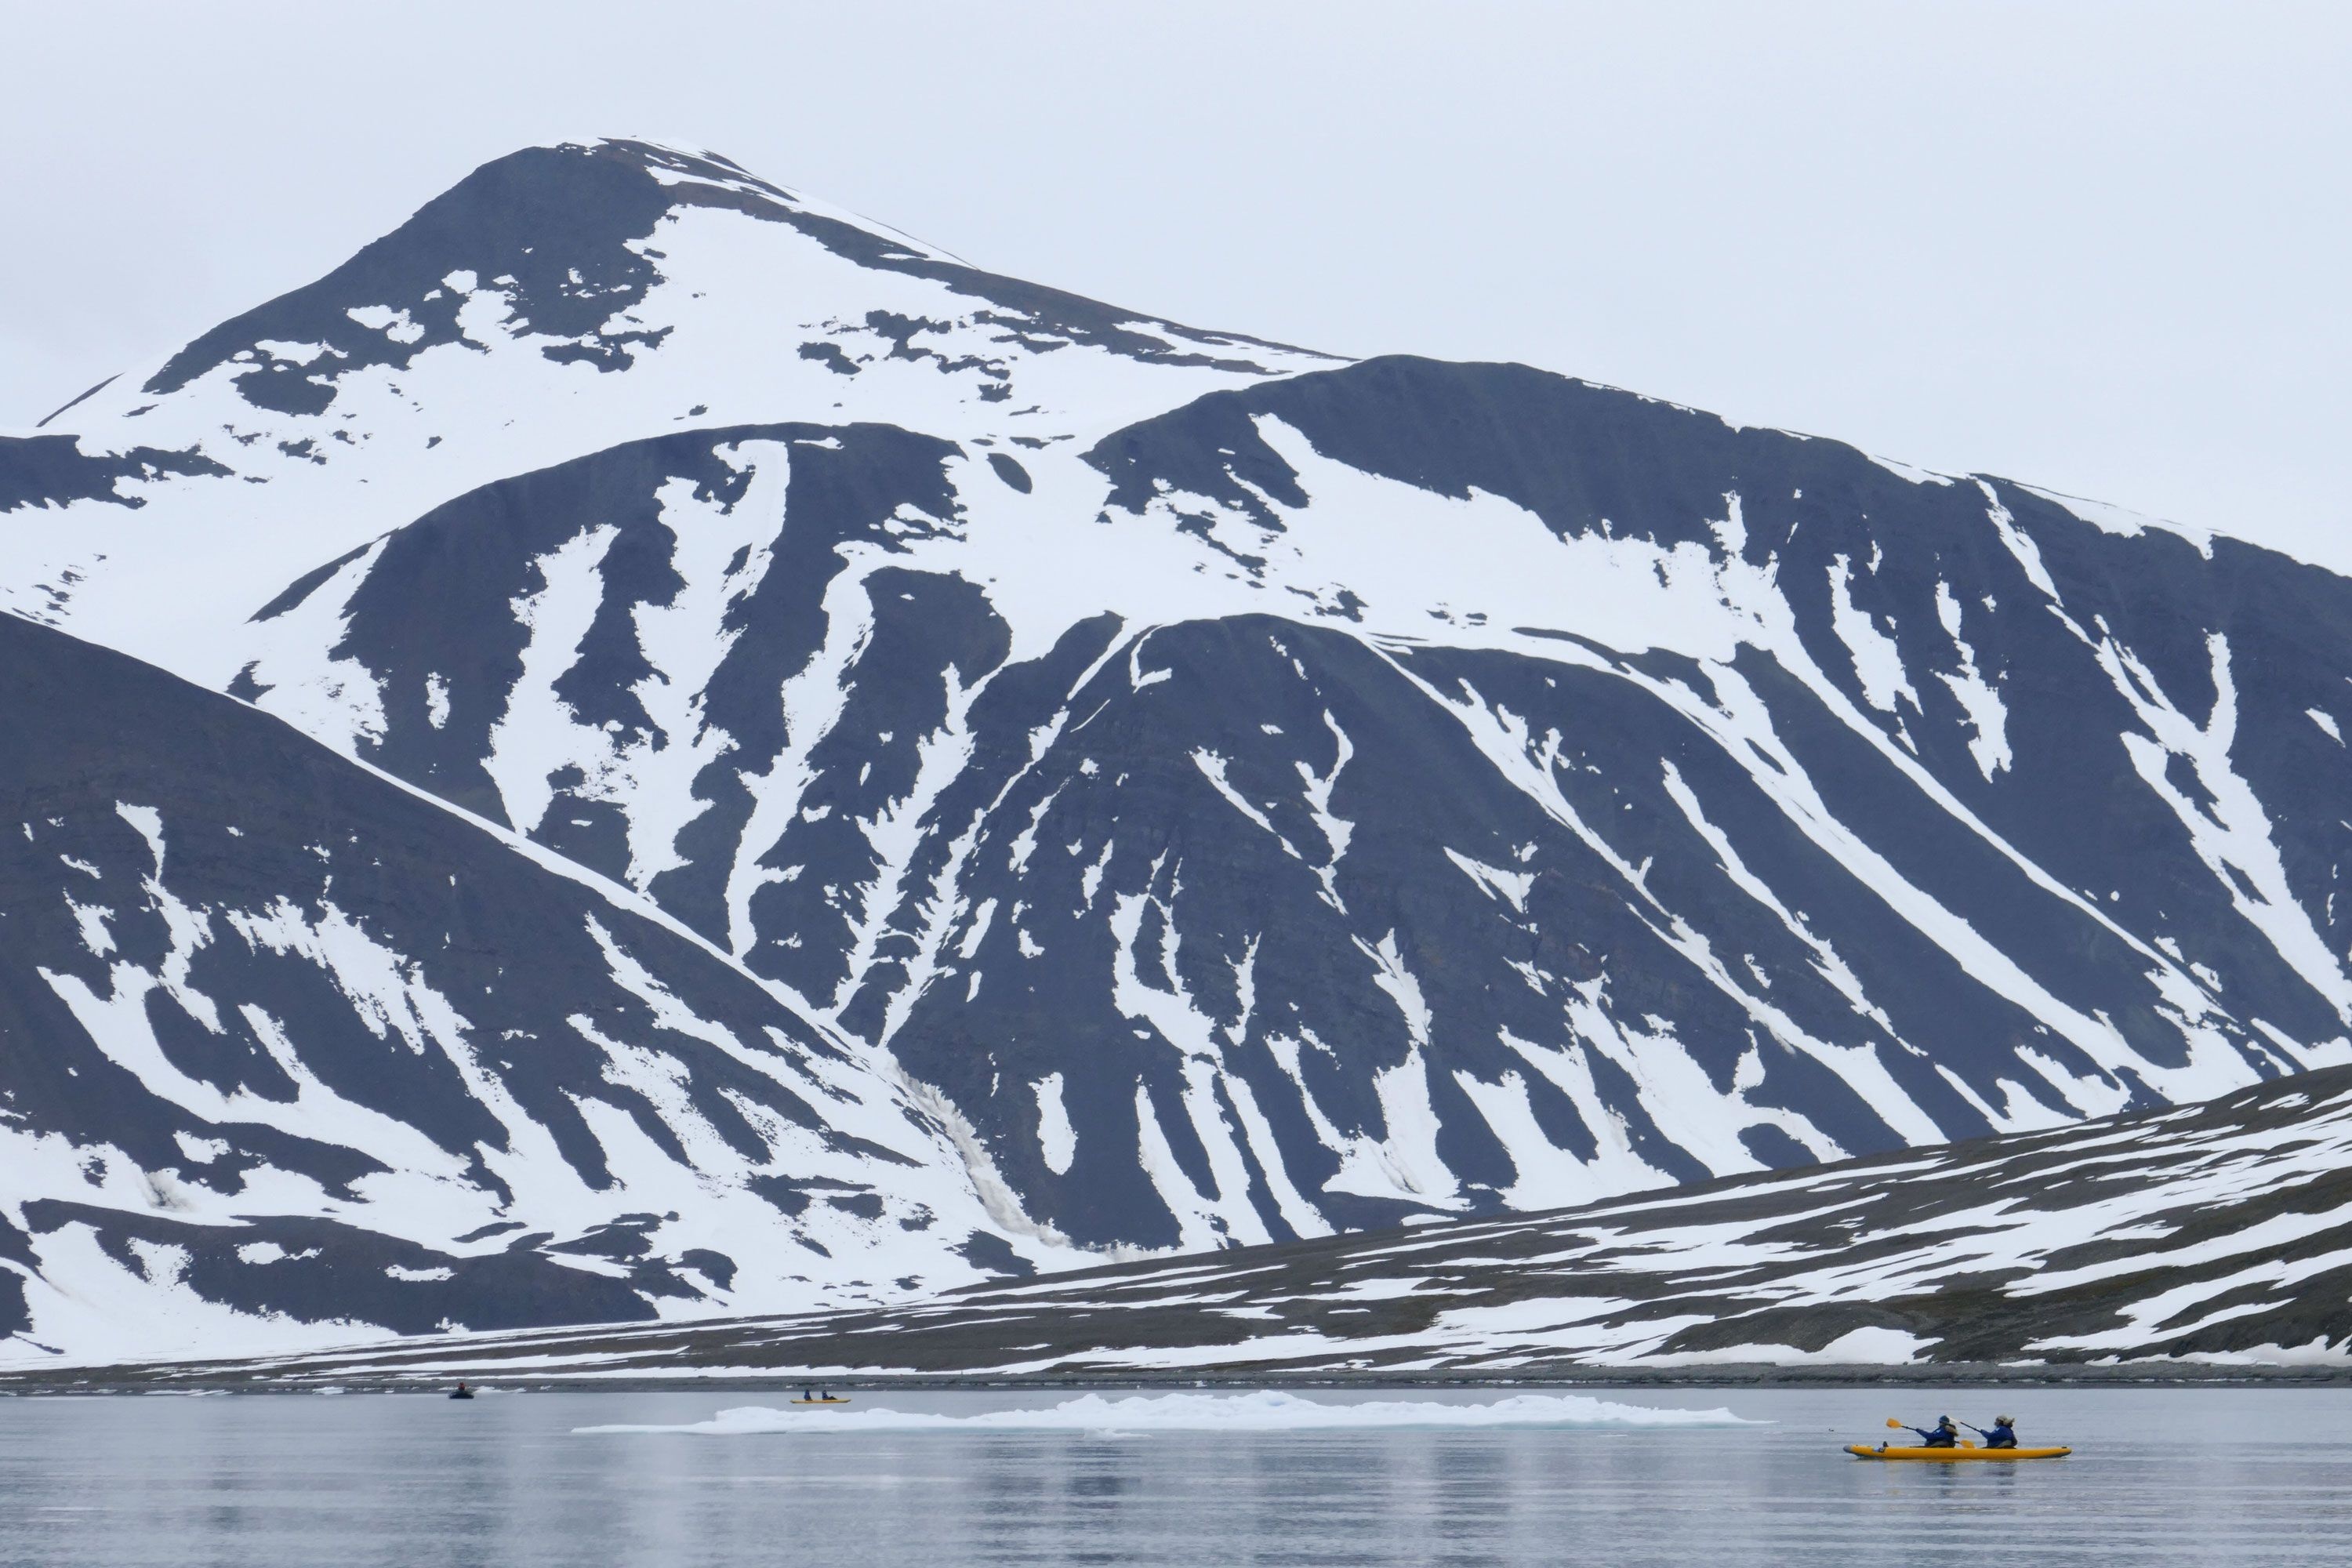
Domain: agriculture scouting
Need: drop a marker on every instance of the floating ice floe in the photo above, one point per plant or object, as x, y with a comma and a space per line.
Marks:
1265, 1411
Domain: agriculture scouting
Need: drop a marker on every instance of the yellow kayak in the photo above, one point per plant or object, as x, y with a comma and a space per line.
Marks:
1955, 1456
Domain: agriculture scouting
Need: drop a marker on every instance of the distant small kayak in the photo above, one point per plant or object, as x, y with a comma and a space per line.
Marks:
1955, 1456
827, 1400
461, 1393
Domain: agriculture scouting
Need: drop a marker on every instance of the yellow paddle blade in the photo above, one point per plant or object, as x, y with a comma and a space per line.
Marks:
1892, 1423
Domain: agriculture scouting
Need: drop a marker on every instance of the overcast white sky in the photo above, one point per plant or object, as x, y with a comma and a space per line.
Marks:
2102, 248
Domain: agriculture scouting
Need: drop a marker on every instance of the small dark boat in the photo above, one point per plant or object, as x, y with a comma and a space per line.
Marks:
461, 1392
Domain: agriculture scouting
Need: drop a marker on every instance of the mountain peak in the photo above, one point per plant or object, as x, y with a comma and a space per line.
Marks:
556, 301
561, 230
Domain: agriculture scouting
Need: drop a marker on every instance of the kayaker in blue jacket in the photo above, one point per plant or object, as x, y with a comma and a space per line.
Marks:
2003, 1434
1945, 1435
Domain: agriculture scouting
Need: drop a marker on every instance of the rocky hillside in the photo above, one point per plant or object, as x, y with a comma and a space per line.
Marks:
289, 1055
2212, 1238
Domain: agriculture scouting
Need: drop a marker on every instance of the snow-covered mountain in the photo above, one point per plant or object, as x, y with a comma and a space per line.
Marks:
1215, 792
288, 1054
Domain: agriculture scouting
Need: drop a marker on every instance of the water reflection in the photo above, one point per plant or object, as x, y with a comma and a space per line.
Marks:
2163, 1476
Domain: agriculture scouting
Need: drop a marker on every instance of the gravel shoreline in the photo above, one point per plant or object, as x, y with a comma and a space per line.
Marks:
178, 1381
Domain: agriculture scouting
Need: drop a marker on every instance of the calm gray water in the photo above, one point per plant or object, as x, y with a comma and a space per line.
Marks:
2202, 1476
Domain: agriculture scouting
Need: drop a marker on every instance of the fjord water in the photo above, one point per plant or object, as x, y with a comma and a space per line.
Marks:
2178, 1475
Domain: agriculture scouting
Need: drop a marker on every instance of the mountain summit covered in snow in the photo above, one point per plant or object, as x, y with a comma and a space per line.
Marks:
648, 747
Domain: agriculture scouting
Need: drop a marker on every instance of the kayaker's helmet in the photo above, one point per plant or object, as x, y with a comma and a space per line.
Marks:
2004, 1420
1943, 1421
